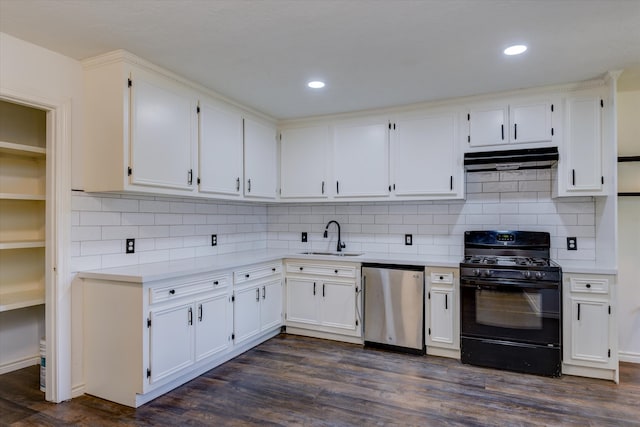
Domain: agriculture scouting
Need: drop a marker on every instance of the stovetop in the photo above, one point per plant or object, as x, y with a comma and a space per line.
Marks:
508, 261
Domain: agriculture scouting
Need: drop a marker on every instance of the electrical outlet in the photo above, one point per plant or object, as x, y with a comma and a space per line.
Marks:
214, 240
572, 243
304, 236
408, 239
131, 246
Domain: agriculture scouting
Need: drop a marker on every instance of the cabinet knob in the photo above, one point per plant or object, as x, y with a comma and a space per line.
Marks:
335, 271
588, 285
172, 291
246, 275
301, 268
215, 282
441, 277
273, 269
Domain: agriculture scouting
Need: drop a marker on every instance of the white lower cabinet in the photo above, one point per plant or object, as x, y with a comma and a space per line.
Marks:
443, 312
170, 341
323, 299
589, 326
257, 299
141, 340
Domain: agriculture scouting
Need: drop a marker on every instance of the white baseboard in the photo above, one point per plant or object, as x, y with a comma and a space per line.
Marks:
14, 365
629, 356
77, 390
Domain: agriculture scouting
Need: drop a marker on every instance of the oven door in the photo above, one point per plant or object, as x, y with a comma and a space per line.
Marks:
526, 312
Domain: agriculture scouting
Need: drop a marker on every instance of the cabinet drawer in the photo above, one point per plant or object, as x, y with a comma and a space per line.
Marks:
594, 286
441, 277
256, 272
322, 270
179, 290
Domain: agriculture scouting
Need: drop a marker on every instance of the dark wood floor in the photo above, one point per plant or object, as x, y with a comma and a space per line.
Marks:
293, 380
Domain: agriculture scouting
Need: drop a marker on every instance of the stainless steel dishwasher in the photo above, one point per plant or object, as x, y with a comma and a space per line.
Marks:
394, 307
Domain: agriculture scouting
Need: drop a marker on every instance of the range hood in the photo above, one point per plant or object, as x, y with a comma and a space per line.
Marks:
532, 158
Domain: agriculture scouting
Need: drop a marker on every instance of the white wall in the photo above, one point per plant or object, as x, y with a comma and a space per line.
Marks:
30, 72
629, 232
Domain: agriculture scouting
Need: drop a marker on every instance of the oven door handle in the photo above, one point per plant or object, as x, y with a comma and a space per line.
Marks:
507, 284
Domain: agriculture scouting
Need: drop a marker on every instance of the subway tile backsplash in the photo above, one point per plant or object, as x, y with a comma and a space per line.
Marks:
172, 228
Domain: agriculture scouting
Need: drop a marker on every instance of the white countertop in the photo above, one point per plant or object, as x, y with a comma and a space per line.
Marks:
142, 273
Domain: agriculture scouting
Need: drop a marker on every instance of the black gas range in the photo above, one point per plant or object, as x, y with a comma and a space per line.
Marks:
511, 302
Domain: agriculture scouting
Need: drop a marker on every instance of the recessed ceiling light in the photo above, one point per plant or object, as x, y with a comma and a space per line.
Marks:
316, 84
515, 49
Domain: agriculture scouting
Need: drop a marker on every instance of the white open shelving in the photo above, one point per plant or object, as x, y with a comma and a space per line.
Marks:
22, 206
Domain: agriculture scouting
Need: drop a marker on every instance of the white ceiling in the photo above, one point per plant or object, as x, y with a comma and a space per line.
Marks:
372, 53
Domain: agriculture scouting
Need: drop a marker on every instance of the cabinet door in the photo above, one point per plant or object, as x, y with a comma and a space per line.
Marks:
424, 155
302, 303
303, 162
361, 160
488, 126
530, 122
246, 314
338, 306
441, 306
271, 305
163, 133
583, 134
213, 326
590, 330
171, 341
220, 168
260, 160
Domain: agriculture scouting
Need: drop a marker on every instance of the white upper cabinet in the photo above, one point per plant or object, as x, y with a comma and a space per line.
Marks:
163, 132
140, 129
260, 160
580, 164
518, 122
361, 159
220, 150
304, 155
425, 155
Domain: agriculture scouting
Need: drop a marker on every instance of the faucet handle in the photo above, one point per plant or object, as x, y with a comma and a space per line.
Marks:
343, 245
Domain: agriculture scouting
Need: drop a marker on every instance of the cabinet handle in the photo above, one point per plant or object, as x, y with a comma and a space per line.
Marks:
337, 187
515, 131
451, 182
314, 288
573, 177
264, 292
249, 185
257, 294
199, 312
172, 292
446, 302
323, 290
238, 184
322, 187
578, 311
190, 317
502, 130
190, 177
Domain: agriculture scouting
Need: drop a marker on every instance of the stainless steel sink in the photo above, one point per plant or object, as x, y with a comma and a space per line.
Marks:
333, 253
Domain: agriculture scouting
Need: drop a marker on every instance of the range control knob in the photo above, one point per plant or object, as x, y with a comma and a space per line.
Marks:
539, 275
526, 274
487, 273
476, 272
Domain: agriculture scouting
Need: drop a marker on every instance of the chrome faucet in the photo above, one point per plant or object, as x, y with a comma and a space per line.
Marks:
341, 244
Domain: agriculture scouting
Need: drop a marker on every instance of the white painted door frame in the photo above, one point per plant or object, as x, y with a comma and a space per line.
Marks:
58, 238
